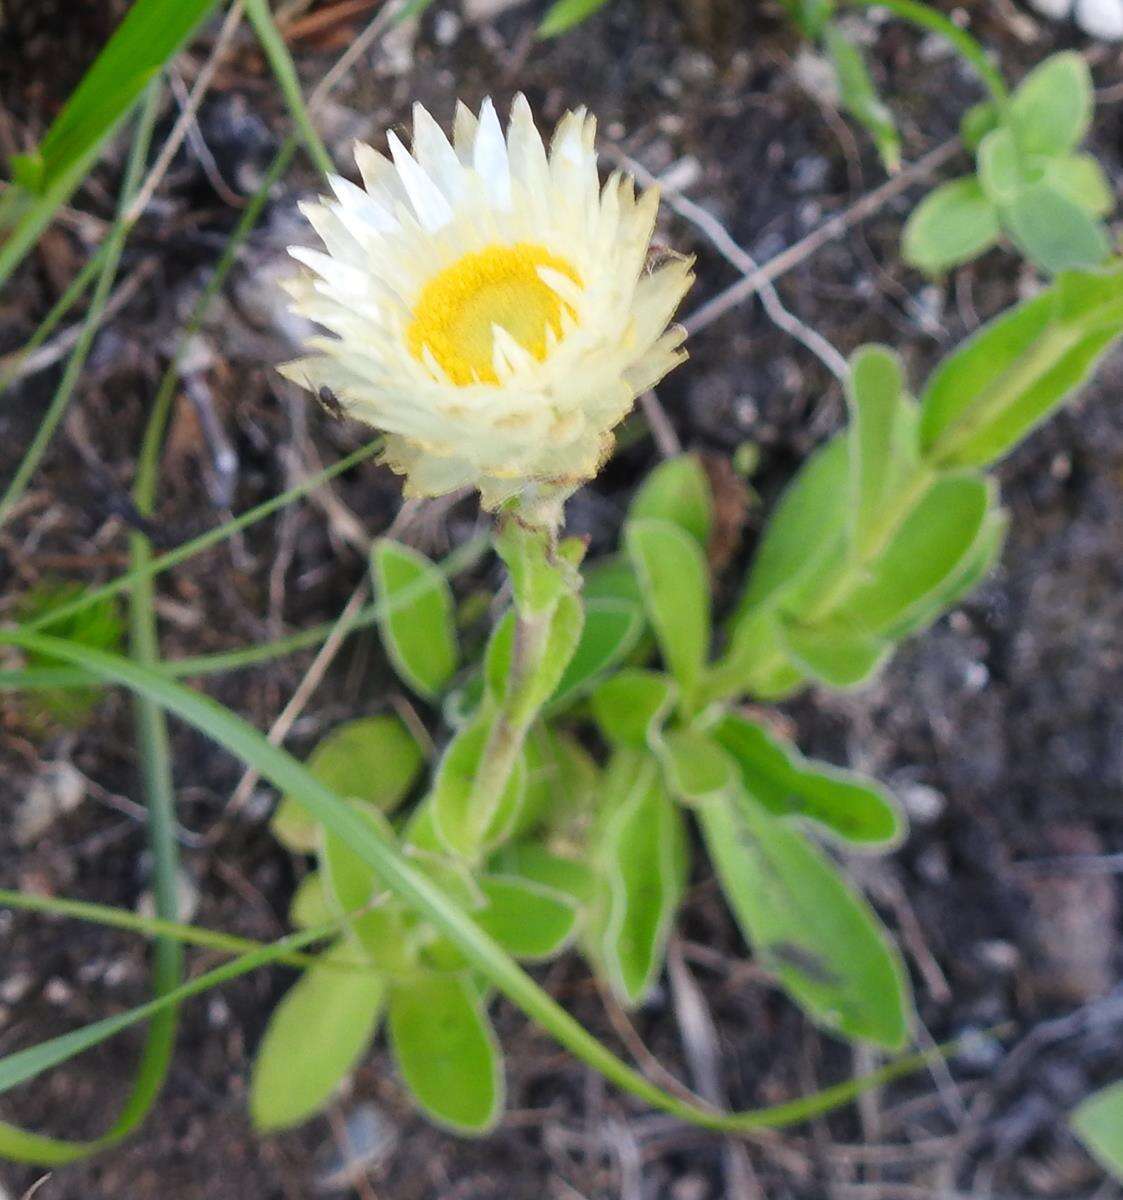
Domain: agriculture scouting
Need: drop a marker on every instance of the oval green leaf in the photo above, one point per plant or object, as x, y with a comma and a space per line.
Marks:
417, 625
805, 923
1098, 1123
529, 920
446, 1052
315, 1036
855, 808
673, 575
640, 852
952, 225
678, 490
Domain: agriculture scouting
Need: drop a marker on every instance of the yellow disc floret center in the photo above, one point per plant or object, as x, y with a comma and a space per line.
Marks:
458, 309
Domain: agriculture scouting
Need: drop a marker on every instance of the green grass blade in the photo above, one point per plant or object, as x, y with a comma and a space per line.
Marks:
204, 541
285, 73
150, 35
74, 291
417, 891
154, 748
20, 1146
39, 678
150, 927
115, 244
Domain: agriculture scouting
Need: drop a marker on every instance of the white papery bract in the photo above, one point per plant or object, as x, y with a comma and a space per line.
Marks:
491, 306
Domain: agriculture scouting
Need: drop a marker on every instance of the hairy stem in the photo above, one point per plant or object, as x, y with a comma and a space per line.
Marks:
513, 720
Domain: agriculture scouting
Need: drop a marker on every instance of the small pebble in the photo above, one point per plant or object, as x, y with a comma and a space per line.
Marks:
690, 1187
923, 804
446, 28
978, 1051
371, 1136
188, 892
55, 791
58, 991
1000, 955
1098, 18
15, 987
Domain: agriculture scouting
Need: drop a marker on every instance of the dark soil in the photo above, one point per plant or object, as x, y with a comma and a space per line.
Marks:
1001, 729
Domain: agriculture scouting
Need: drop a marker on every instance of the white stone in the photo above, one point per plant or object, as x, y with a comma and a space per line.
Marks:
476, 11
58, 789
1101, 18
1056, 9
1098, 18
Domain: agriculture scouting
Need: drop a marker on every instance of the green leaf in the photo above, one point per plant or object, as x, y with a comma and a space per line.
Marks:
310, 906
447, 1053
632, 706
562, 640
809, 15
1098, 1123
372, 759
1081, 179
387, 937
860, 96
1054, 231
453, 817
755, 662
805, 527
928, 550
565, 14
779, 778
150, 34
529, 920
993, 390
349, 881
409, 886
497, 657
531, 861
1002, 171
838, 655
953, 224
978, 563
672, 572
678, 490
612, 578
566, 627
315, 1036
804, 923
610, 633
1051, 111
561, 782
695, 767
879, 449
417, 625
640, 852
100, 625
977, 122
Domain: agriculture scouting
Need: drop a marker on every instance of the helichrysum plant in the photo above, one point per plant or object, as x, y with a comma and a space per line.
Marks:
1032, 183
490, 308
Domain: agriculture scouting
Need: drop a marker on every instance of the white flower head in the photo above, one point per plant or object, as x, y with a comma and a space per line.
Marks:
490, 305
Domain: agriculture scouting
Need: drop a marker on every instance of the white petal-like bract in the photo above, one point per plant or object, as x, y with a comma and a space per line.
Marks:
489, 305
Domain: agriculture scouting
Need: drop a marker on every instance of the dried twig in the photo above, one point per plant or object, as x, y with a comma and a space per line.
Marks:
699, 1040
17, 365
829, 231
280, 728
745, 263
187, 117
